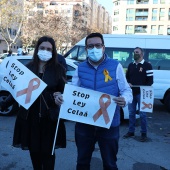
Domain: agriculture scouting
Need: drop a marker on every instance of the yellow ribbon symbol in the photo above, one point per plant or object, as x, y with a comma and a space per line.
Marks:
107, 77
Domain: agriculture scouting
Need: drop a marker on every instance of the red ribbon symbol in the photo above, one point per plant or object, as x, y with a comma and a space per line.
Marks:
149, 105
103, 107
28, 91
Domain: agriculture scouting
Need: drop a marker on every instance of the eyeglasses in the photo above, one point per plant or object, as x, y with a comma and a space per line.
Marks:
91, 46
45, 48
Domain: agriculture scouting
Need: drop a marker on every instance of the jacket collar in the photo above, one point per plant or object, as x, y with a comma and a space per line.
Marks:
139, 62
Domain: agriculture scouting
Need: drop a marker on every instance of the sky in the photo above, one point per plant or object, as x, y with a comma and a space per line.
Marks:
108, 4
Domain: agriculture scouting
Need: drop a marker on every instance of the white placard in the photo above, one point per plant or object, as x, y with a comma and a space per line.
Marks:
146, 98
87, 106
24, 85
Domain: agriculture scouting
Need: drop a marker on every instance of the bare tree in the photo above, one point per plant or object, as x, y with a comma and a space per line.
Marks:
39, 24
12, 16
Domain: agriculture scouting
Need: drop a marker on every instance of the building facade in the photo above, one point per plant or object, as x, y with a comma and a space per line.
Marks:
141, 17
93, 15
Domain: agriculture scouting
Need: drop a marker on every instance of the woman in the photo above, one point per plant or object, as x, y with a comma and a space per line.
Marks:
35, 128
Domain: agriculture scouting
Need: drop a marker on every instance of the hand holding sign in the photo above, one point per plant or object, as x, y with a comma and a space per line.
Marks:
24, 85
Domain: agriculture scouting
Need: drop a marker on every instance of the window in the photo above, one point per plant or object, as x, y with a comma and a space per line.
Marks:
154, 11
141, 29
14, 32
160, 29
168, 30
76, 13
154, 18
115, 28
116, 12
129, 18
115, 19
162, 1
129, 27
73, 53
142, 1
160, 59
155, 1
53, 3
9, 30
130, 1
40, 5
153, 29
129, 11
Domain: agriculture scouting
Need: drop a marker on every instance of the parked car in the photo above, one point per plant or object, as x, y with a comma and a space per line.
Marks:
71, 66
3, 55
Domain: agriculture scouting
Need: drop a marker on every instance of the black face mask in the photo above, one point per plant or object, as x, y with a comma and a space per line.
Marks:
136, 56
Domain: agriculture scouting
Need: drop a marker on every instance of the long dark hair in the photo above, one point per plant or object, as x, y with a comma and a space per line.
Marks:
52, 62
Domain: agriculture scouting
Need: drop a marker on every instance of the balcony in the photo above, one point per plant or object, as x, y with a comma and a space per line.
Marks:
141, 14
140, 30
168, 31
141, 18
142, 1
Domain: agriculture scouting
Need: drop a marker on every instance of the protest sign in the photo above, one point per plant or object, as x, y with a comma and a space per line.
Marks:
146, 98
24, 85
87, 106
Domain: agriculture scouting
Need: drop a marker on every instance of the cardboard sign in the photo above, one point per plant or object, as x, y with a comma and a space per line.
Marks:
146, 98
87, 106
24, 85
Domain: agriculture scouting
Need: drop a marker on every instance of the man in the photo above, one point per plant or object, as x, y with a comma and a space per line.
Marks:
139, 73
90, 74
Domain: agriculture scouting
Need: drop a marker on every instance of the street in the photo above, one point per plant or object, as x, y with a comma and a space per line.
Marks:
133, 155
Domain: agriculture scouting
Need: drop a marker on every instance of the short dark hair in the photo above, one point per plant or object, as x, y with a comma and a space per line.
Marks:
96, 34
139, 49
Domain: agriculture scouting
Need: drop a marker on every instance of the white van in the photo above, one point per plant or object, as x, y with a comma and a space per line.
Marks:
121, 47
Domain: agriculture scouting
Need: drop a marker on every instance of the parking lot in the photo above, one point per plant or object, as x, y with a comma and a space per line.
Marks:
133, 155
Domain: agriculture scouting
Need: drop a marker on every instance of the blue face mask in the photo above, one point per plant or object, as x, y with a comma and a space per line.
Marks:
95, 54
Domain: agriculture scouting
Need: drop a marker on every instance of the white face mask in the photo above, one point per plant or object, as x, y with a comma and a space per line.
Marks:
44, 55
95, 54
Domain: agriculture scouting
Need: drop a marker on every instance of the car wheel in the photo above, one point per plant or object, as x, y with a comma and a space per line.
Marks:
10, 110
167, 102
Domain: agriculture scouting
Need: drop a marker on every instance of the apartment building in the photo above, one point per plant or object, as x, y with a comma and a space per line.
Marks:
93, 15
141, 17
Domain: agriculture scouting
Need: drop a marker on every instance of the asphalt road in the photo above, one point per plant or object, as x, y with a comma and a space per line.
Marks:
133, 155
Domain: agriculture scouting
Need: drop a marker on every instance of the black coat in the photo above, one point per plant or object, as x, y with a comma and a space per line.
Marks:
34, 130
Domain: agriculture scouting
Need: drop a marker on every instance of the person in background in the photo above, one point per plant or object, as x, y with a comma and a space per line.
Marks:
9, 53
34, 128
89, 74
139, 73
20, 51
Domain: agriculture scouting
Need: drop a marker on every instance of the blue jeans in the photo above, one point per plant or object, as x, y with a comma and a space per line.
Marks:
86, 137
132, 115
